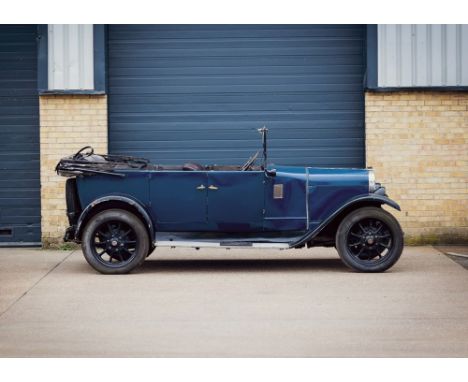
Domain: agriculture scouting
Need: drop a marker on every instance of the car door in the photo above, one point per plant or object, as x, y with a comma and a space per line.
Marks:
178, 200
235, 201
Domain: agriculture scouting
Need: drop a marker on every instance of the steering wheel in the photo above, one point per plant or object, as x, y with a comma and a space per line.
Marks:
250, 162
82, 153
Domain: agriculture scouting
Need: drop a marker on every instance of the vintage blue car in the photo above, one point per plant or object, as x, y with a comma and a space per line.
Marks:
121, 208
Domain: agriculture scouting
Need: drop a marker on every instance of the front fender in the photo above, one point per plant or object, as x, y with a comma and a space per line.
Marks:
113, 198
374, 199
361, 200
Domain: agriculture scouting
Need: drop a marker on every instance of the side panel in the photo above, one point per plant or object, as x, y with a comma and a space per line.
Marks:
235, 201
285, 200
330, 189
135, 185
178, 200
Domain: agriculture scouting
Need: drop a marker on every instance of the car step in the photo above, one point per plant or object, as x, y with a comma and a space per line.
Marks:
224, 244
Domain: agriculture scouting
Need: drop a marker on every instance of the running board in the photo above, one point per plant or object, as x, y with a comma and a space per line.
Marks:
227, 244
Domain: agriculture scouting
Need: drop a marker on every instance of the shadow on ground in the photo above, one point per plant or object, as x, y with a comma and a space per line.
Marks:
456, 253
242, 265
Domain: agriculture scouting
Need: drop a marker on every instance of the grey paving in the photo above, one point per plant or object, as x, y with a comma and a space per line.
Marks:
457, 253
232, 303
21, 269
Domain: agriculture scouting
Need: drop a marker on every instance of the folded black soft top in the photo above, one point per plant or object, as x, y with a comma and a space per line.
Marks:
86, 162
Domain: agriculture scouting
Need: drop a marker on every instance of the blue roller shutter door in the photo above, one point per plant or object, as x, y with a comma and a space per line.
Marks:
20, 212
198, 93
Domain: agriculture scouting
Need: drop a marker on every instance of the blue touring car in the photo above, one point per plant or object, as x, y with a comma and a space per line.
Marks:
121, 208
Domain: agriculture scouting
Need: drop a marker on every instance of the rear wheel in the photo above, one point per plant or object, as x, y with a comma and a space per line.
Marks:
115, 241
369, 240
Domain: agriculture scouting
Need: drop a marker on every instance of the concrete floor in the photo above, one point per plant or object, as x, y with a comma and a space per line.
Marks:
457, 253
232, 303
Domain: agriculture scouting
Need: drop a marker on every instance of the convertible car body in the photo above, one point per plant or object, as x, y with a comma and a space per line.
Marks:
121, 208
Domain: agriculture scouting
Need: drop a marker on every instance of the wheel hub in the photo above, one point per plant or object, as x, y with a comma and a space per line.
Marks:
369, 239
115, 242
114, 245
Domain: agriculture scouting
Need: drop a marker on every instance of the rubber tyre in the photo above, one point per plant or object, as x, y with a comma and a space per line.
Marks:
133, 221
151, 250
362, 213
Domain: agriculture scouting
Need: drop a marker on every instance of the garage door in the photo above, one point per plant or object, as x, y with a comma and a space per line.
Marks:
19, 130
198, 93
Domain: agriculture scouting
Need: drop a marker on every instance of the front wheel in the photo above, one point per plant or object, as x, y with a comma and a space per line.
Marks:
115, 242
369, 239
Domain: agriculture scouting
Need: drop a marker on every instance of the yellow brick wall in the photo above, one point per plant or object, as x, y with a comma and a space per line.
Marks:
67, 123
417, 143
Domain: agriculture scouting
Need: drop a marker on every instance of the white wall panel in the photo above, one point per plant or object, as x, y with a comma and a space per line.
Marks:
70, 56
422, 55
464, 54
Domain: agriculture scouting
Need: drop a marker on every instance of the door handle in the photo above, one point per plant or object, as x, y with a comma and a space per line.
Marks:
212, 187
201, 187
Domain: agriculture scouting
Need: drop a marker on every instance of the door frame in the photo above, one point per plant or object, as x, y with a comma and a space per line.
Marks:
245, 223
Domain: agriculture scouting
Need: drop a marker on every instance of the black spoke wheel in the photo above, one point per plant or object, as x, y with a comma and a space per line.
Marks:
115, 241
369, 240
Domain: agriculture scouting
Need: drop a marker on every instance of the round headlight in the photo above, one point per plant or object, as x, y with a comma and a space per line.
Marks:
371, 181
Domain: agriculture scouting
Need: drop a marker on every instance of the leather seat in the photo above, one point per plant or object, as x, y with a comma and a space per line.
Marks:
190, 166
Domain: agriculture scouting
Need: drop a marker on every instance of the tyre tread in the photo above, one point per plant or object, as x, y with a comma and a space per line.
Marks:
377, 212
128, 218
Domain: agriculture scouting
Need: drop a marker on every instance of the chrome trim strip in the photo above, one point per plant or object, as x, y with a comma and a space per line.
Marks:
286, 218
270, 245
204, 244
371, 180
186, 244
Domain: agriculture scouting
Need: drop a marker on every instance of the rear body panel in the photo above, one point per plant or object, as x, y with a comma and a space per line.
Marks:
135, 184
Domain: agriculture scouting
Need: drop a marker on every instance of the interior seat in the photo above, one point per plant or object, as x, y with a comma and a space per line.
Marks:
190, 166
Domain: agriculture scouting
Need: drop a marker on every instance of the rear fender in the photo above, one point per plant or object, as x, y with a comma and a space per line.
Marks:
357, 202
97, 205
